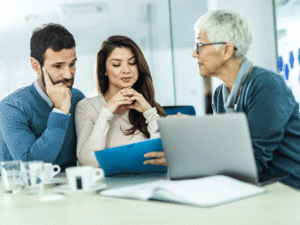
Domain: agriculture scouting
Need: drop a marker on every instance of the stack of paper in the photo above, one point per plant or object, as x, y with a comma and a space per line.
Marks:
205, 192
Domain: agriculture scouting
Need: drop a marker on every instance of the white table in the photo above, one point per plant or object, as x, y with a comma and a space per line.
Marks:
280, 205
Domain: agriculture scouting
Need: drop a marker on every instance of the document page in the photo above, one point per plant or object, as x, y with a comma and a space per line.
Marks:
143, 191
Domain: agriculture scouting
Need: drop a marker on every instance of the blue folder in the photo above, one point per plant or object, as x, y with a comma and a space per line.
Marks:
128, 159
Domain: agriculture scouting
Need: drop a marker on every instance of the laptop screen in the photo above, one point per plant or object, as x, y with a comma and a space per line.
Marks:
197, 146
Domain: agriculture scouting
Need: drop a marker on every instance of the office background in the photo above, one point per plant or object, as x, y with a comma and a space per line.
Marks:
162, 28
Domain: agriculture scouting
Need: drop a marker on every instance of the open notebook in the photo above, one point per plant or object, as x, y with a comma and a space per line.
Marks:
204, 192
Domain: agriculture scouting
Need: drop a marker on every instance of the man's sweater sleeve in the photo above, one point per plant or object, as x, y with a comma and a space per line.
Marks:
23, 143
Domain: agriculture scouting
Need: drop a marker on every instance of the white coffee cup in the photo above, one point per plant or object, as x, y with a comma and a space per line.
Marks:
50, 171
83, 177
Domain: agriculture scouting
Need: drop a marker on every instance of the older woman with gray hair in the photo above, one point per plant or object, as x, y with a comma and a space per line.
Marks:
223, 38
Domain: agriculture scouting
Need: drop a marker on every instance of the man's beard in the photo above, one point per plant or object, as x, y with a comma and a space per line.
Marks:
71, 81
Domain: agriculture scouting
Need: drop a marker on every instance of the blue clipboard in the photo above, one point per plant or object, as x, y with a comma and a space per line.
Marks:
128, 159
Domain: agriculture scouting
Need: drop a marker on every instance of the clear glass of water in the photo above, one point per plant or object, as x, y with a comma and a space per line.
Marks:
11, 176
32, 173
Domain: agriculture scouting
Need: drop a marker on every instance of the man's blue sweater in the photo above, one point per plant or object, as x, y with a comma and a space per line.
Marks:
29, 130
274, 123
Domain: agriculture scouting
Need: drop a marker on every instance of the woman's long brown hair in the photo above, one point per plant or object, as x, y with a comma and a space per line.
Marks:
143, 84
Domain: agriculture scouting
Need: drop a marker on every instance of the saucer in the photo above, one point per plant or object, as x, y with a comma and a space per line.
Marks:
54, 181
65, 189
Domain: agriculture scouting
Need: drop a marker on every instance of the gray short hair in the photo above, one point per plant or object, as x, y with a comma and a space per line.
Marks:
226, 26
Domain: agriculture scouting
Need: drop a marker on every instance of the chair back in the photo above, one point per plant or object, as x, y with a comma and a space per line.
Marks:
184, 109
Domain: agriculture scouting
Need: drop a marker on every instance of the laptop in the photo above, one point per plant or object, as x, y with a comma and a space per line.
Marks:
199, 146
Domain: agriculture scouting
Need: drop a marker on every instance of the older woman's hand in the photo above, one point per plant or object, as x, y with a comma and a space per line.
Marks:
178, 115
159, 158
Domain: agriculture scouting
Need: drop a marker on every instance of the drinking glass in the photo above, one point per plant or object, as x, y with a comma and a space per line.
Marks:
10, 173
33, 177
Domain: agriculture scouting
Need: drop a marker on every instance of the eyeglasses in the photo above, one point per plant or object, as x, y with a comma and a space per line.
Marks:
197, 46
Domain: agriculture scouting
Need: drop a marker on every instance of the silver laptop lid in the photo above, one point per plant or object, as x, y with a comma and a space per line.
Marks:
208, 145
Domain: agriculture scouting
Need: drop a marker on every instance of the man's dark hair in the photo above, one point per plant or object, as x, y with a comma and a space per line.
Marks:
54, 36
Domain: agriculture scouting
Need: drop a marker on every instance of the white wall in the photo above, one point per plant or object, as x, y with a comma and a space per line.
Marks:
260, 14
15, 69
189, 85
159, 53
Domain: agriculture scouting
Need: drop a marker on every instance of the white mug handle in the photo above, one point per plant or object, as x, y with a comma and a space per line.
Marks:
97, 174
55, 170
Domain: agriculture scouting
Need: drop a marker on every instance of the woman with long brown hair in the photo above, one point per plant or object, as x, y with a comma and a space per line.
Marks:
125, 110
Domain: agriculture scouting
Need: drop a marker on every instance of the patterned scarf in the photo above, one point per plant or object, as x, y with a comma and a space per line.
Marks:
230, 98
